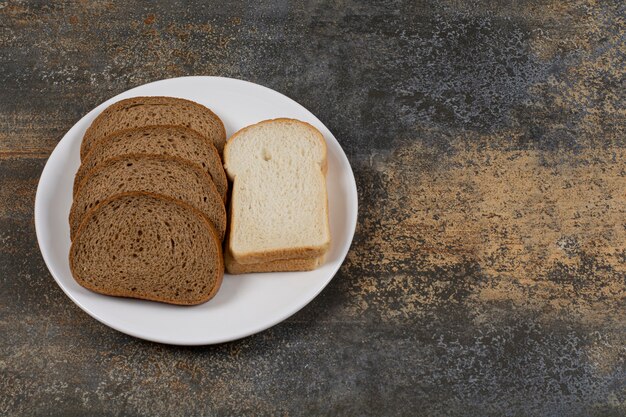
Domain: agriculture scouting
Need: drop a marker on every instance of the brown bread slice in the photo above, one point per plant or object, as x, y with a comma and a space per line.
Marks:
280, 265
148, 111
149, 247
157, 140
165, 175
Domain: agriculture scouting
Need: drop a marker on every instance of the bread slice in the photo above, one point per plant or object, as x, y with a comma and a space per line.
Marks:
165, 175
157, 140
147, 111
279, 206
280, 265
149, 247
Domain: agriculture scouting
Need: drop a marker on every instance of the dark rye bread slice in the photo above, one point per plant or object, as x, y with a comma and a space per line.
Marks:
149, 247
157, 140
148, 111
165, 175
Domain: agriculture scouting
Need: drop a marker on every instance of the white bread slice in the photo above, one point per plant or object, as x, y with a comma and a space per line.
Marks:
280, 265
279, 205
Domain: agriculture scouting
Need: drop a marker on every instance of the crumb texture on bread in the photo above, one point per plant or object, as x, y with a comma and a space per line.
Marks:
279, 204
147, 111
176, 141
148, 247
169, 176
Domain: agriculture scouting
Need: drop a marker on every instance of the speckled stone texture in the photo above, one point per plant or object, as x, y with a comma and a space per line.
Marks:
488, 272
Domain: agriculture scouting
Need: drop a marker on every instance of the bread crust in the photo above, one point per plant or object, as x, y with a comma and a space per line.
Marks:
280, 254
90, 134
209, 226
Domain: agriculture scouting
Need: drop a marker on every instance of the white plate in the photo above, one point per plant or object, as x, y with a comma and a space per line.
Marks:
245, 304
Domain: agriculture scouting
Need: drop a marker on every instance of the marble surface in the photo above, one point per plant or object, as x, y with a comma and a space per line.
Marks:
488, 271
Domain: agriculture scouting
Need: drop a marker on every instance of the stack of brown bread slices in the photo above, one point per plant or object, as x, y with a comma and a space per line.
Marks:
148, 216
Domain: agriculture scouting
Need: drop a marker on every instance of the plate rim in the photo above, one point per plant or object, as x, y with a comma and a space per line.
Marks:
352, 221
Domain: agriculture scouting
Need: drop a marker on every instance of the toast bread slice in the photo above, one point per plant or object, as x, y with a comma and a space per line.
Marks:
164, 175
279, 204
155, 110
157, 140
280, 265
150, 247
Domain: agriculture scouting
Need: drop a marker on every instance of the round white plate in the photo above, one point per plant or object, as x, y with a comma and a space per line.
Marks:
245, 304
